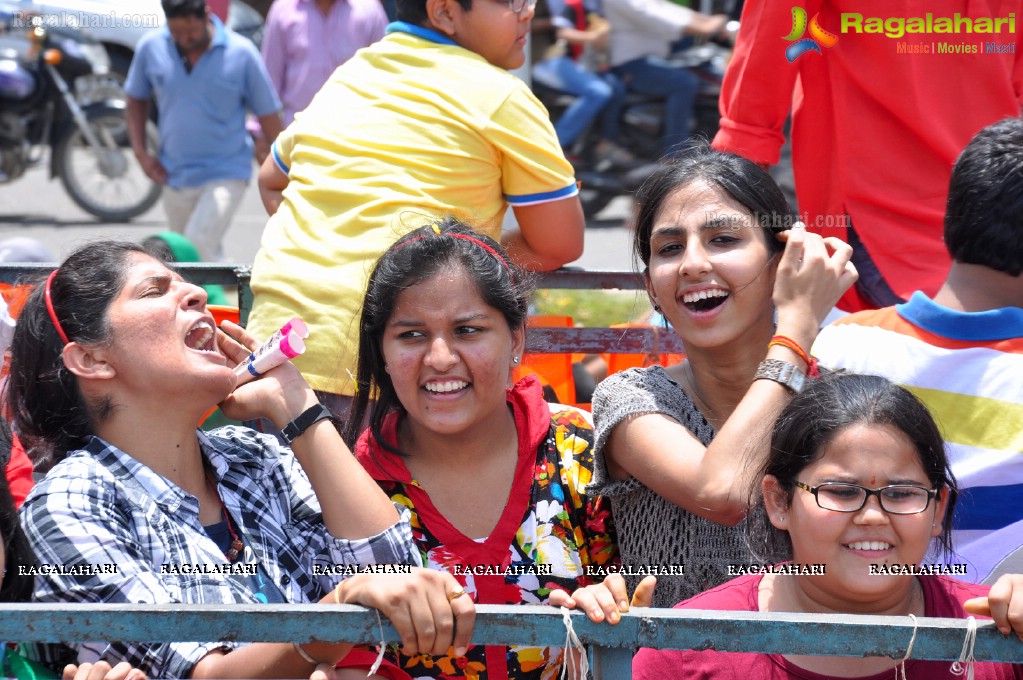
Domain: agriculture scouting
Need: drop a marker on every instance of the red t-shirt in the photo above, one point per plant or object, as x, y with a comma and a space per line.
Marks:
943, 597
19, 473
875, 130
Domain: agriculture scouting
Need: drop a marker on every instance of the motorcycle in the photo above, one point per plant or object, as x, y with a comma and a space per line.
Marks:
43, 70
602, 180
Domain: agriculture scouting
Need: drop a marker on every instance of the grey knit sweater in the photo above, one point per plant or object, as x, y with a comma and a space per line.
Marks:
651, 530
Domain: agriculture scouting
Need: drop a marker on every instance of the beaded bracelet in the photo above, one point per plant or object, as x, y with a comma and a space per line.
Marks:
811, 363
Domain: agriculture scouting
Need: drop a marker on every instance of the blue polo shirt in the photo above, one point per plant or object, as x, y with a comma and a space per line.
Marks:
202, 112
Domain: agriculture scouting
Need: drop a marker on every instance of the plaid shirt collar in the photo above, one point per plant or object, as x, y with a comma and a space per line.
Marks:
227, 464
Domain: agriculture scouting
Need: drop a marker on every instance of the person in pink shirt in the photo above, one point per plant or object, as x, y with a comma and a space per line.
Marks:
219, 8
305, 40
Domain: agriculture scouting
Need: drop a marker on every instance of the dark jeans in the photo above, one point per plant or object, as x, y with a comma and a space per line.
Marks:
596, 95
656, 77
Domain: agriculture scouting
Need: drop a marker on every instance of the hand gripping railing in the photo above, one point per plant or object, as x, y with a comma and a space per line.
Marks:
612, 646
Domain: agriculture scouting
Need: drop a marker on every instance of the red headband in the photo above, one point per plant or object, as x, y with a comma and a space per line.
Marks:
464, 237
49, 308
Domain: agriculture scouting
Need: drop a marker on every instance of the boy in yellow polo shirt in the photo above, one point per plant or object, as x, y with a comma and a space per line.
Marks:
424, 123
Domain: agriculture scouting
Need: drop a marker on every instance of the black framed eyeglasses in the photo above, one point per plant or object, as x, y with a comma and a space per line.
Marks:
896, 499
518, 5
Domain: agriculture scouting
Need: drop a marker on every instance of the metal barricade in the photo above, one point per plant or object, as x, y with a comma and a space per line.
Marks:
611, 646
634, 340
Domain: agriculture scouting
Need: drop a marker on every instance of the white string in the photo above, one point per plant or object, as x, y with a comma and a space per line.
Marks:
573, 643
909, 650
966, 656
383, 646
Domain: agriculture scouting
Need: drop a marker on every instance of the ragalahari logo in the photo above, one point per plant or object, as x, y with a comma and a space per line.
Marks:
800, 45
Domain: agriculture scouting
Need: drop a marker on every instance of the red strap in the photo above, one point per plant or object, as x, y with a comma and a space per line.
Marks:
576, 50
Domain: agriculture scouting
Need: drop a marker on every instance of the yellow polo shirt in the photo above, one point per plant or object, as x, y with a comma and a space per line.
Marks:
411, 128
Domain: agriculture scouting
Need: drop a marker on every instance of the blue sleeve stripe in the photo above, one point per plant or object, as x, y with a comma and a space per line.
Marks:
531, 199
278, 161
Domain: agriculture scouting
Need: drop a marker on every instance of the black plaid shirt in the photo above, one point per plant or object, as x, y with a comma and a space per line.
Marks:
101, 510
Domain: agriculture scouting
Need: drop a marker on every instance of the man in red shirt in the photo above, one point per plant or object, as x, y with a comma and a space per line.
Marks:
878, 119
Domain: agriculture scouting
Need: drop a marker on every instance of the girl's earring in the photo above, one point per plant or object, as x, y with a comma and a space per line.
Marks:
515, 360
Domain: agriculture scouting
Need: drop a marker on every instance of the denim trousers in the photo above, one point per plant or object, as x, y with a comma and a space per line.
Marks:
596, 94
656, 77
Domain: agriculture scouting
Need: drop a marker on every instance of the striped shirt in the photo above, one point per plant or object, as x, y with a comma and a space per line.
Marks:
968, 369
108, 529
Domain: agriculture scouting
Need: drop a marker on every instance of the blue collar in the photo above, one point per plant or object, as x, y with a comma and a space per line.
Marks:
995, 324
219, 32
419, 32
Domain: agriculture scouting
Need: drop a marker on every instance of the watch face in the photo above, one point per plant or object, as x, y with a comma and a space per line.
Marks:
797, 381
782, 372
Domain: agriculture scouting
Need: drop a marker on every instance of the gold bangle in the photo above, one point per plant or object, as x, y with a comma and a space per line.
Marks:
337, 592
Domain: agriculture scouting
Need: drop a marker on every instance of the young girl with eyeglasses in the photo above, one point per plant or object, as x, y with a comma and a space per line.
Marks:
857, 484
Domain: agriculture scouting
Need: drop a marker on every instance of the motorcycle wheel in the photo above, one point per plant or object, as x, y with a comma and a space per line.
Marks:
108, 184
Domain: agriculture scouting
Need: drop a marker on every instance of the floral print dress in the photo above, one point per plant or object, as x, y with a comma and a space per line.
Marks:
551, 534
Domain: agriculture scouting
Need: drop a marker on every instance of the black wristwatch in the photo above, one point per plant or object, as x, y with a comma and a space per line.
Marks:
296, 427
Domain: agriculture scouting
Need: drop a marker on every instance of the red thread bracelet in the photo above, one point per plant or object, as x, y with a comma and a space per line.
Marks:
785, 341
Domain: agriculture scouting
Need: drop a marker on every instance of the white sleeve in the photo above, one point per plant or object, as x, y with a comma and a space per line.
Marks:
661, 18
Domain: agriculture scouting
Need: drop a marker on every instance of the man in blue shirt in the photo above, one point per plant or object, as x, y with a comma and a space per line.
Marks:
204, 77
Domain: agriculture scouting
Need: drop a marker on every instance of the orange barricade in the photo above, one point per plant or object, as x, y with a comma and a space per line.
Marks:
16, 295
554, 370
224, 313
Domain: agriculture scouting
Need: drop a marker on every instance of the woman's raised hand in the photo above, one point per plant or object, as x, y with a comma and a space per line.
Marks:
607, 600
1004, 604
812, 275
282, 388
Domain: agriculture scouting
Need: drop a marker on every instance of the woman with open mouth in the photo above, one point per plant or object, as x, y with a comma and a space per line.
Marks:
115, 359
746, 291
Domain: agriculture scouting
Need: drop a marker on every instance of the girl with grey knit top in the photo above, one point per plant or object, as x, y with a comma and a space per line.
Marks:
746, 290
